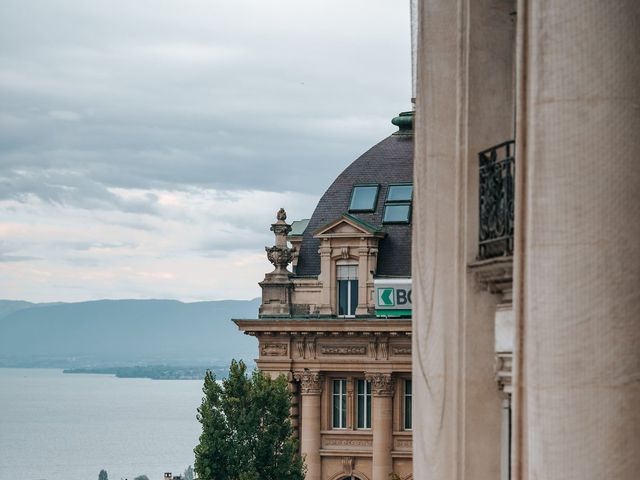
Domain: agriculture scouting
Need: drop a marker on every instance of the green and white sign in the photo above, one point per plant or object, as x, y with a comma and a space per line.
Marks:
393, 297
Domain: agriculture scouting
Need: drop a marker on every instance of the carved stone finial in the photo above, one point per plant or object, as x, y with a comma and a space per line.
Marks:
310, 382
280, 255
382, 384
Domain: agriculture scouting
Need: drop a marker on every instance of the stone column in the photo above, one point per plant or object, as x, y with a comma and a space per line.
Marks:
577, 268
310, 389
382, 387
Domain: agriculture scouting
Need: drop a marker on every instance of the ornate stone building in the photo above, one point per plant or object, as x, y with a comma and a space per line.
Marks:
339, 323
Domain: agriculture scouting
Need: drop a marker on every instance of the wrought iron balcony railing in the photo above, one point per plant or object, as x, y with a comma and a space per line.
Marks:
497, 169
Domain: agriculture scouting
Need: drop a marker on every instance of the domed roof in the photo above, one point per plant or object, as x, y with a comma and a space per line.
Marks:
387, 163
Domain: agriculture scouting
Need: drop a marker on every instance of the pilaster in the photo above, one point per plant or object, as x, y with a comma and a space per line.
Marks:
326, 276
382, 390
310, 441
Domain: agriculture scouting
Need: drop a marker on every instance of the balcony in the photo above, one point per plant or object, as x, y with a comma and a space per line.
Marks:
497, 169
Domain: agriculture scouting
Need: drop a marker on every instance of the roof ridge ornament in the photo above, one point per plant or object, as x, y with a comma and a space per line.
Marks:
404, 122
280, 254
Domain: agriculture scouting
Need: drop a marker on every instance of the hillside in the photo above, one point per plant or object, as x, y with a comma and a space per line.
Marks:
123, 332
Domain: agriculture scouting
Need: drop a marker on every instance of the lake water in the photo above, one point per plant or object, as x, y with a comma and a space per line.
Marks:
67, 427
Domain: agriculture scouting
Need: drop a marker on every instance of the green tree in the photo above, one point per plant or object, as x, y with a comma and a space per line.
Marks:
246, 432
141, 477
188, 473
103, 475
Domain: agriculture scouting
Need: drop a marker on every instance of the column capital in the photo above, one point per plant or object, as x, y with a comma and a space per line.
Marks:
382, 384
310, 382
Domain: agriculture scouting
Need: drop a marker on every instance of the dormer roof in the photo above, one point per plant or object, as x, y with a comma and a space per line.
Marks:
348, 226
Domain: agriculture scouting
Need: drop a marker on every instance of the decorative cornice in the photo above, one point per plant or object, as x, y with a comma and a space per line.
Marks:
382, 384
310, 382
361, 327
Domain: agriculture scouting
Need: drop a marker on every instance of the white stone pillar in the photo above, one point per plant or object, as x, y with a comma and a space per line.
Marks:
382, 387
577, 277
310, 390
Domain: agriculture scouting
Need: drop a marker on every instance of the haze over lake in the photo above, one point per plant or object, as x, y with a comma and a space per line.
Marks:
67, 427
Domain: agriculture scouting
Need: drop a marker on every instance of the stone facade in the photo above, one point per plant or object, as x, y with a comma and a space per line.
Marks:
314, 352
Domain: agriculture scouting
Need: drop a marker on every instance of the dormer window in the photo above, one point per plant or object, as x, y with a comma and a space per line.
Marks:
363, 198
397, 208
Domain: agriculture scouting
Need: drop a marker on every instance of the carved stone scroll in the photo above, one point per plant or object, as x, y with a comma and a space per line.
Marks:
372, 348
274, 350
402, 350
383, 346
347, 465
311, 348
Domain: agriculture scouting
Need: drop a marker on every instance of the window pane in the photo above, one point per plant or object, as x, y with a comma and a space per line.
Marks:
347, 272
396, 213
336, 404
362, 409
364, 198
399, 193
343, 297
343, 397
354, 297
408, 412
364, 404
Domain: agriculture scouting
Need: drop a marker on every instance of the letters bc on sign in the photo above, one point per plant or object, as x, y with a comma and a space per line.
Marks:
393, 297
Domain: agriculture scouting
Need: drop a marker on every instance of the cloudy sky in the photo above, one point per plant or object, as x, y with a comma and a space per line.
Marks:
145, 145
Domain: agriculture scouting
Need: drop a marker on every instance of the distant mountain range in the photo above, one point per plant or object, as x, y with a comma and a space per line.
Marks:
124, 332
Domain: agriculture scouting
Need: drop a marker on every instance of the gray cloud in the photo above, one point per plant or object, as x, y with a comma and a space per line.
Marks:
202, 93
169, 122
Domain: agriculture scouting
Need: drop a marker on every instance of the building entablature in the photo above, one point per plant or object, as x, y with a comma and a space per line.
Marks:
377, 346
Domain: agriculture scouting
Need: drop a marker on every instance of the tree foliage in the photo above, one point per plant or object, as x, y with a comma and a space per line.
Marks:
103, 475
141, 477
188, 473
246, 431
